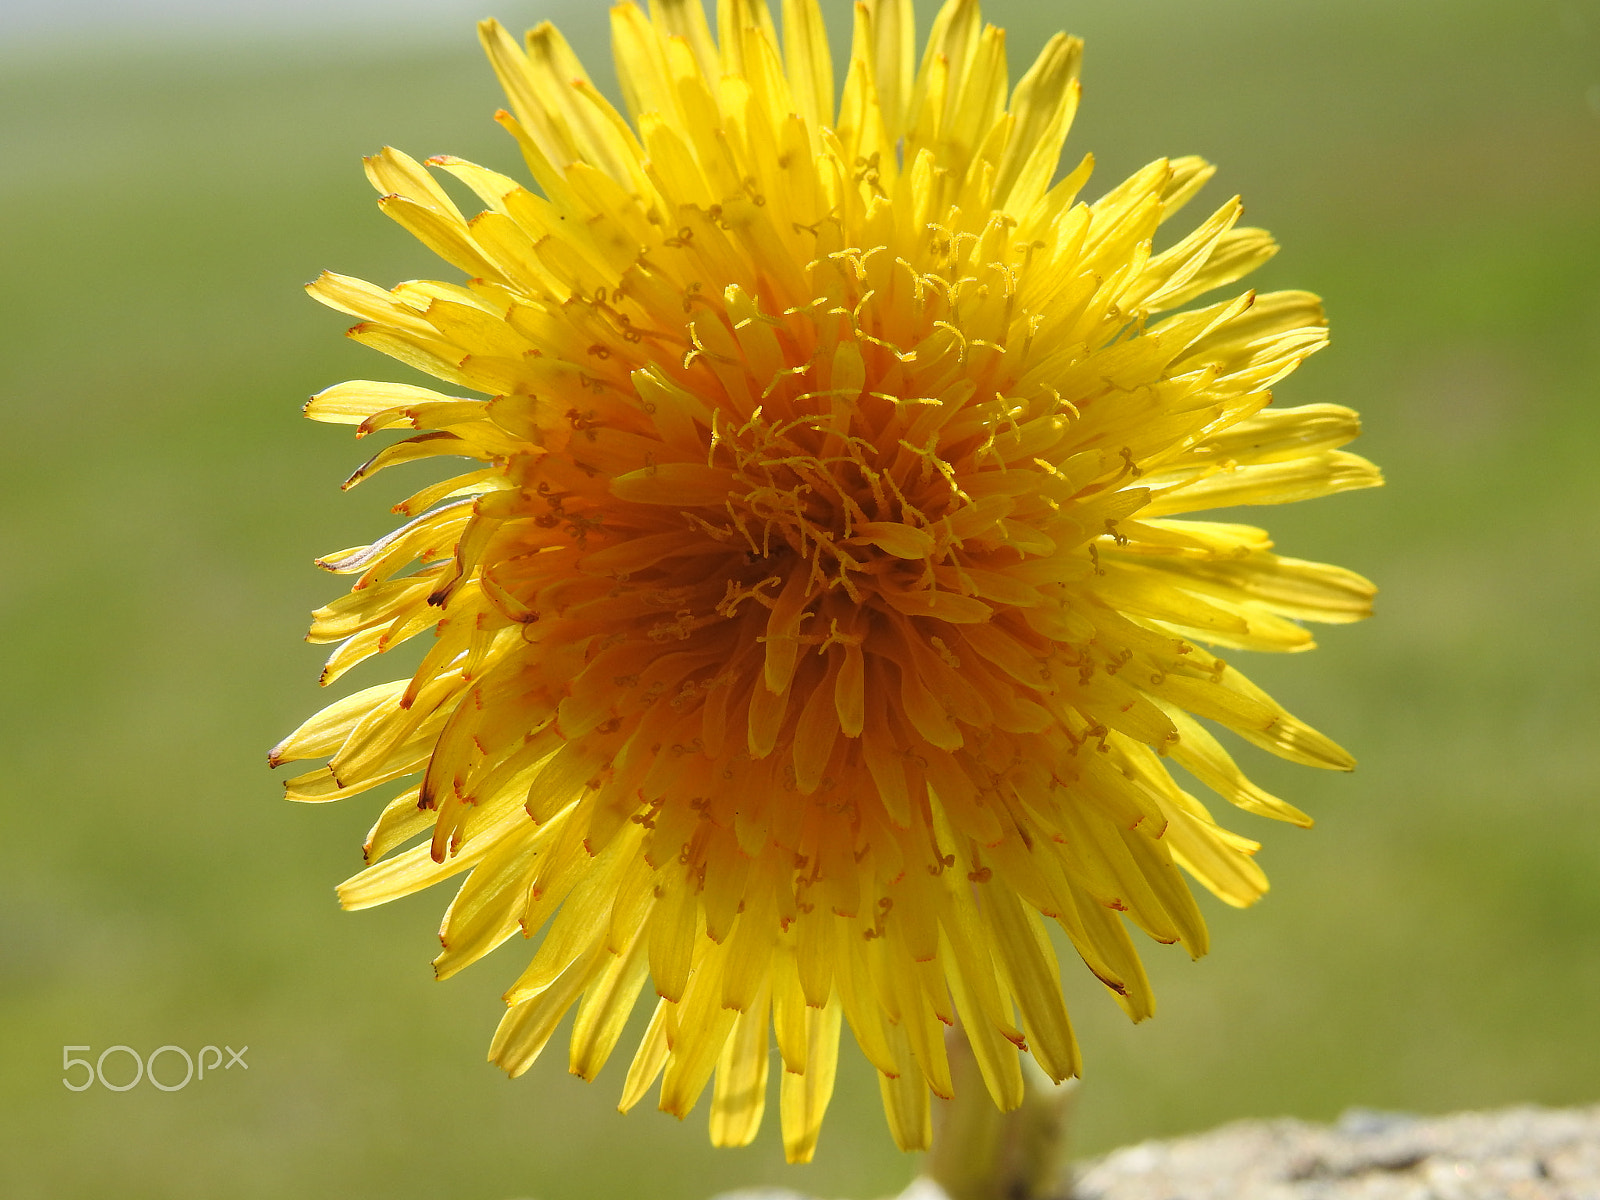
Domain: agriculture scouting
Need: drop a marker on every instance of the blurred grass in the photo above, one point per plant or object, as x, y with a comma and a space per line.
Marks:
1432, 170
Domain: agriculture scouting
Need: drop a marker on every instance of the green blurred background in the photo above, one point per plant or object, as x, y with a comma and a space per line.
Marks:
1432, 169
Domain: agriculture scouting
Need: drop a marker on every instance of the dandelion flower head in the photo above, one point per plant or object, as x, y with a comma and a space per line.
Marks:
823, 601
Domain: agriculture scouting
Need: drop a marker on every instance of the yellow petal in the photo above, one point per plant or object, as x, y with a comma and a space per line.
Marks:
804, 1098
740, 1095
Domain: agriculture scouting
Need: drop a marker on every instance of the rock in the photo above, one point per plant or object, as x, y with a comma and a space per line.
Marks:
1515, 1154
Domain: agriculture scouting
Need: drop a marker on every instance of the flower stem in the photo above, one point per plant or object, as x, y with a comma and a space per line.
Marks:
981, 1153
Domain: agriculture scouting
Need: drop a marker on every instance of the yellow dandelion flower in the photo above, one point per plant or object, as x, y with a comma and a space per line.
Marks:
816, 616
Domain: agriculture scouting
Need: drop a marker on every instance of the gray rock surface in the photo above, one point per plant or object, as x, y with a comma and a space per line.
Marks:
1514, 1154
